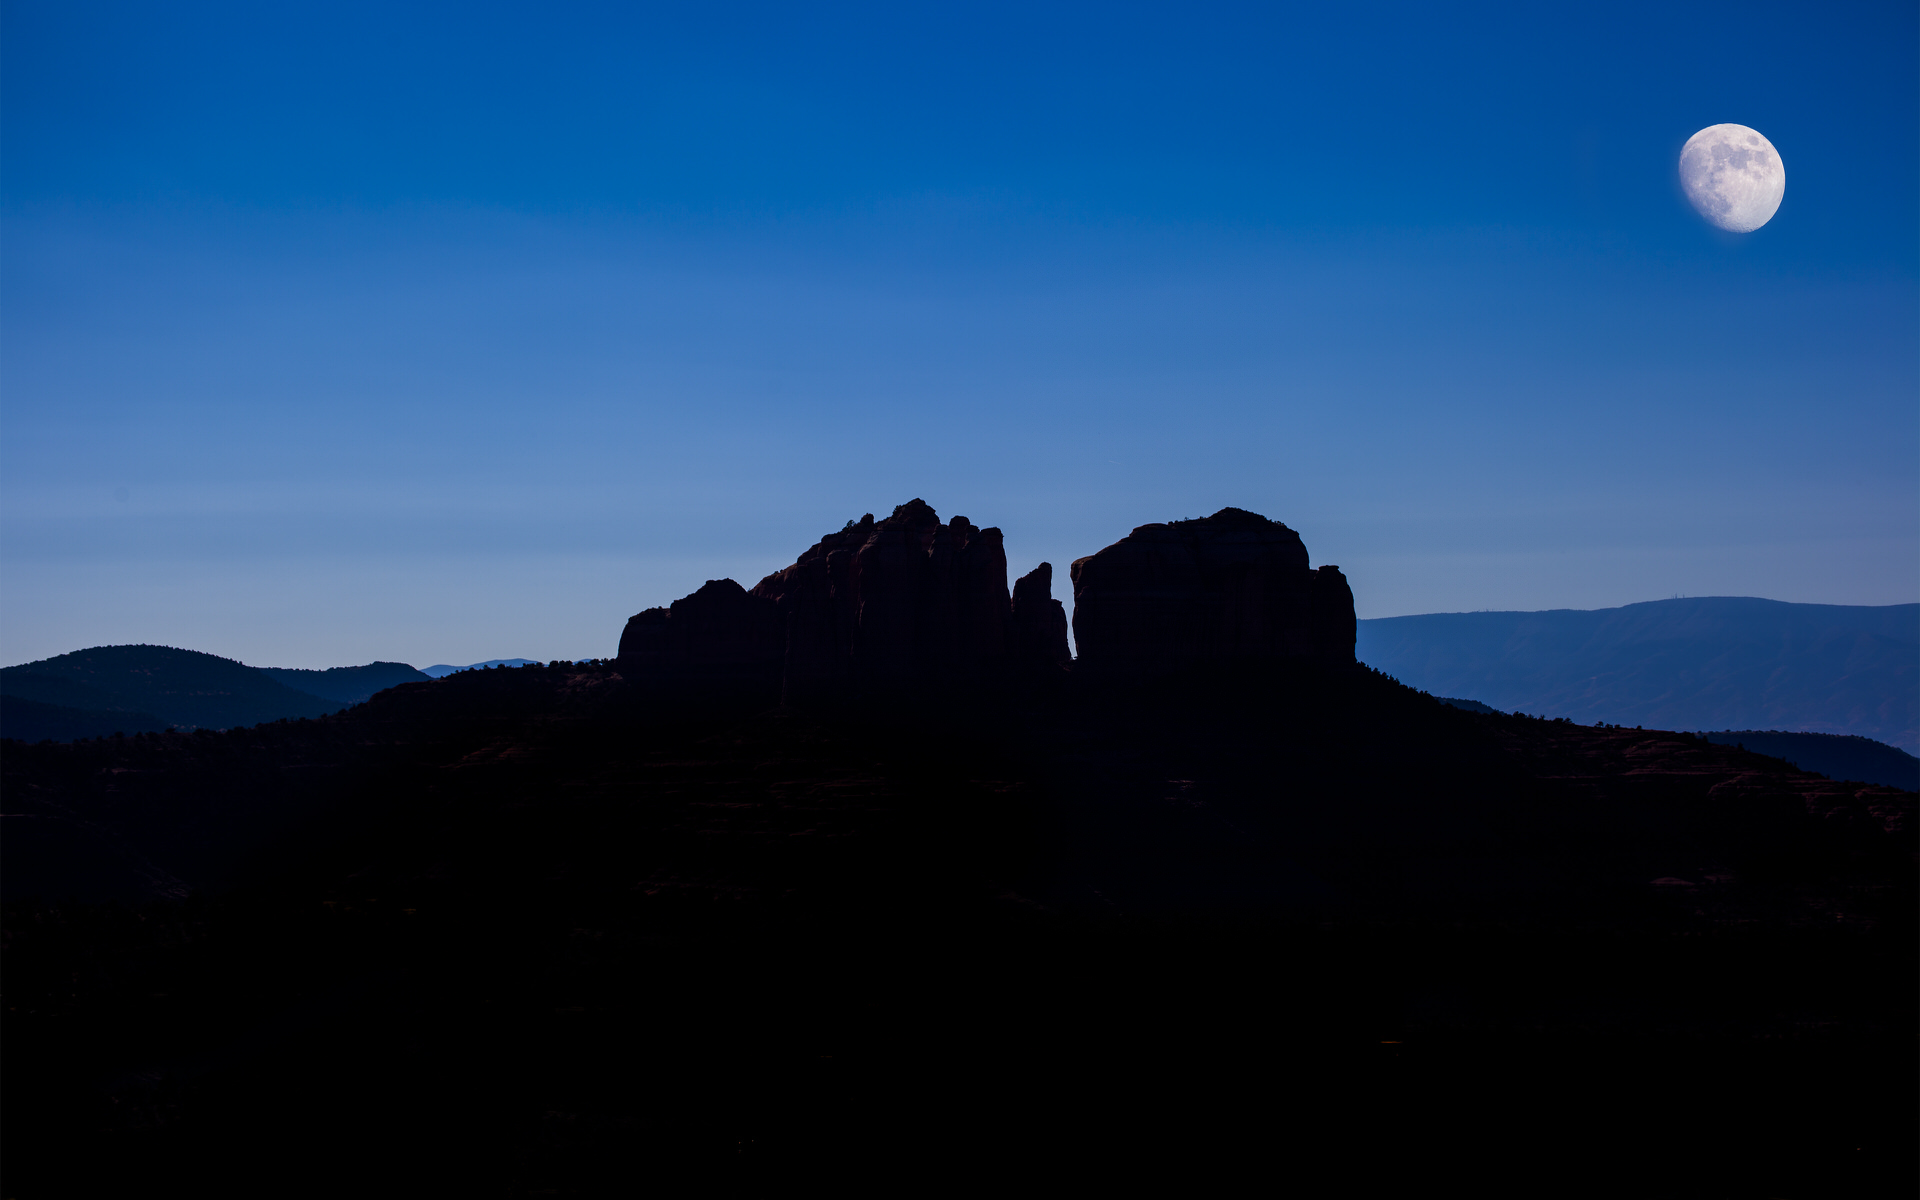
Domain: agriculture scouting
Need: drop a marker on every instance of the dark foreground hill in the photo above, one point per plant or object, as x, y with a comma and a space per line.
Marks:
1836, 756
520, 930
596, 929
1703, 663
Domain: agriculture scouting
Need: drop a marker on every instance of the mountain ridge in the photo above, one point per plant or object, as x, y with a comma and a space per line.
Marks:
110, 689
441, 670
1694, 663
349, 685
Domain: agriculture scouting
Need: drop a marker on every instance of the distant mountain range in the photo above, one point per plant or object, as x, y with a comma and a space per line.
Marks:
1710, 663
137, 689
348, 685
438, 670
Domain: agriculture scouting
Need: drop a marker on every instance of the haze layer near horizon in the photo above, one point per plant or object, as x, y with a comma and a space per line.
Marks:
341, 333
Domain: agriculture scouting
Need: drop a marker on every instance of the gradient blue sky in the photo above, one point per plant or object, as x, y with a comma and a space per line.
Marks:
332, 333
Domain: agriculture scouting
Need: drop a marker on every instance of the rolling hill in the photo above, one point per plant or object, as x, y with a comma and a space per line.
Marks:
1832, 755
133, 689
181, 687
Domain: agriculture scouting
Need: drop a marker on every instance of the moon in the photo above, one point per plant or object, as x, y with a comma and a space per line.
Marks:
1733, 176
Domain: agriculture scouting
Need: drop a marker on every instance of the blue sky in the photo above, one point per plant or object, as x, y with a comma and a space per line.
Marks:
333, 333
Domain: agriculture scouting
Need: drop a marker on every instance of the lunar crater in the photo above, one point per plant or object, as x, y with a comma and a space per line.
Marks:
1733, 177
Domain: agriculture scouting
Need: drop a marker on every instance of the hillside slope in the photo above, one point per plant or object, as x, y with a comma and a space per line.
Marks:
1704, 663
181, 687
34, 721
1832, 755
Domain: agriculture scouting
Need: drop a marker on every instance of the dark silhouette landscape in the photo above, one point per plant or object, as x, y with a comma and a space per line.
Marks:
857, 875
349, 351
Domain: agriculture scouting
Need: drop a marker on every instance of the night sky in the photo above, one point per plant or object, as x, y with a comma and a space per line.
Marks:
334, 332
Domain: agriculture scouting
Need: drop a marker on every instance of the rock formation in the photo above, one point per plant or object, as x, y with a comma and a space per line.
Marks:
914, 604
901, 604
1039, 621
1233, 588
719, 634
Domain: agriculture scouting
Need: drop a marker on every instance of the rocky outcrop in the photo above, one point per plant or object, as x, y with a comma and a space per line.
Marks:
1230, 589
1335, 625
915, 604
907, 603
902, 602
1039, 621
719, 634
